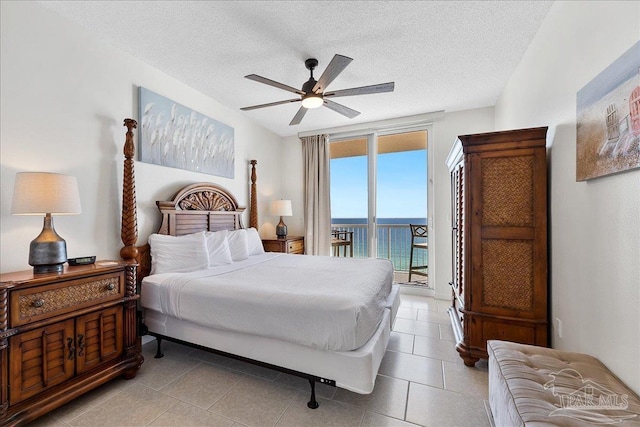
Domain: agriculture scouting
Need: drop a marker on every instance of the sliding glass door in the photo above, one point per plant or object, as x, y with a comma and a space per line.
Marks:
374, 197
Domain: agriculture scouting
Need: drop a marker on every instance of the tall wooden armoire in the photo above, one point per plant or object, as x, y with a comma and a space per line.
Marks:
499, 232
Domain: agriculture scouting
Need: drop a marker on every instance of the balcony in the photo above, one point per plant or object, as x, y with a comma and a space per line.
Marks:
394, 243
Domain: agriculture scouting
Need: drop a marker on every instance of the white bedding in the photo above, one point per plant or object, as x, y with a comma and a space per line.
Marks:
326, 303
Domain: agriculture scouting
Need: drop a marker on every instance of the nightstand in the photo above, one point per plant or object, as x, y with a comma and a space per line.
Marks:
288, 245
63, 334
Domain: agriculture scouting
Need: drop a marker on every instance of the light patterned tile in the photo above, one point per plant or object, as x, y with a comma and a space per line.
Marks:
418, 302
412, 368
446, 332
372, 419
136, 406
400, 342
436, 349
466, 380
416, 327
91, 399
203, 385
429, 406
255, 402
407, 313
183, 414
433, 317
48, 420
388, 397
329, 413
236, 365
167, 347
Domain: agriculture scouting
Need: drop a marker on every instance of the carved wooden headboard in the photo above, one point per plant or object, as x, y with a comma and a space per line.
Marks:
197, 207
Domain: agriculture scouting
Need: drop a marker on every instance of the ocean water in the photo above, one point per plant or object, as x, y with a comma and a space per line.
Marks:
394, 239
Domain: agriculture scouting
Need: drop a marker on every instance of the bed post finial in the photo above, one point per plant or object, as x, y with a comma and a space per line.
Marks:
253, 215
129, 229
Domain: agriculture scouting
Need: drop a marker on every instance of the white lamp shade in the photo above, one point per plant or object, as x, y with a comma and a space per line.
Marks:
39, 193
281, 208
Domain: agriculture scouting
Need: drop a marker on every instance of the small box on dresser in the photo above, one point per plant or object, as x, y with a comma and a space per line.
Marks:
499, 240
288, 245
63, 334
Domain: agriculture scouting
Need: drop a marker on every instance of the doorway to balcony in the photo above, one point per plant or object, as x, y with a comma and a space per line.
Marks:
378, 189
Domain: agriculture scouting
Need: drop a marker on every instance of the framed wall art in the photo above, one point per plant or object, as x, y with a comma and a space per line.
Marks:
176, 136
608, 119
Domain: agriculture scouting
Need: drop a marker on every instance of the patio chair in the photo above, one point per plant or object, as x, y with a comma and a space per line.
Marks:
342, 239
417, 231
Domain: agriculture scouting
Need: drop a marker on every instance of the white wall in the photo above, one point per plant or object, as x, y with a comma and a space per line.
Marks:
64, 97
594, 225
445, 132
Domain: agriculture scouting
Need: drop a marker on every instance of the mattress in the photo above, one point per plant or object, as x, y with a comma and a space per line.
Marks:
354, 370
325, 303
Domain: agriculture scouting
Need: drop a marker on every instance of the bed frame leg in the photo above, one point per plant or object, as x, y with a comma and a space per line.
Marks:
158, 348
313, 403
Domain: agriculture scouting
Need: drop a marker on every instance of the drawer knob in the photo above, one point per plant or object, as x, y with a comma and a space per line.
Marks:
111, 286
38, 303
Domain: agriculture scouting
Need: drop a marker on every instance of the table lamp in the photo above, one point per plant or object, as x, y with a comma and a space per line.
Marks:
42, 193
282, 208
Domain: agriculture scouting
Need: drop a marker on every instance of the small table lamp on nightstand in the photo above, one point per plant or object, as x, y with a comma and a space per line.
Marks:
282, 208
41, 193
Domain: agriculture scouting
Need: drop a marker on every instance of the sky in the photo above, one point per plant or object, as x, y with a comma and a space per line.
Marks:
402, 186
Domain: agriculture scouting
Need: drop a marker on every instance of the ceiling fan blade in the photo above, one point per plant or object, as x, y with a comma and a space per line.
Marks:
298, 117
271, 104
363, 90
273, 83
339, 108
335, 67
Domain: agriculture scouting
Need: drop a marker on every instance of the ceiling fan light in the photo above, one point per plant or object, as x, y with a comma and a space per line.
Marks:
312, 101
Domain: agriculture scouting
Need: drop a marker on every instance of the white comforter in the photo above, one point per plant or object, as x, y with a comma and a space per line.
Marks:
327, 303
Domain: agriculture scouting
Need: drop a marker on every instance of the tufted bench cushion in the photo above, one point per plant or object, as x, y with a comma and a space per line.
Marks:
537, 386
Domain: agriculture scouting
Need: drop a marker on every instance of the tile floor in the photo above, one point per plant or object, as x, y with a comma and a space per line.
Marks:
421, 381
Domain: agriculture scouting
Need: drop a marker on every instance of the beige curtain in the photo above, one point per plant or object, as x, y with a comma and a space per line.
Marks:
317, 201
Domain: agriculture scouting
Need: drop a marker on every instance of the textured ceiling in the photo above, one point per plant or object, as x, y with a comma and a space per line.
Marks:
441, 55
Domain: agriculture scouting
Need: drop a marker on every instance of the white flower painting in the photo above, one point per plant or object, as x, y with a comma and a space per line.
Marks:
175, 136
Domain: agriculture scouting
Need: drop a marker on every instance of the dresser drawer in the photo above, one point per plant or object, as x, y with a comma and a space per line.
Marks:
295, 247
42, 302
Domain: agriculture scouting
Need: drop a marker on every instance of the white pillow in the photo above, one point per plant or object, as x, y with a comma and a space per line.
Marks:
238, 244
218, 248
254, 242
171, 254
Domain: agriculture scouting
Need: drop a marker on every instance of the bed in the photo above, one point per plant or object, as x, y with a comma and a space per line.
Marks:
321, 318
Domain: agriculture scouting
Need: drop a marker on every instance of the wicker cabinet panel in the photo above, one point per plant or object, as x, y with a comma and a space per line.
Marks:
499, 240
507, 274
41, 359
42, 302
507, 191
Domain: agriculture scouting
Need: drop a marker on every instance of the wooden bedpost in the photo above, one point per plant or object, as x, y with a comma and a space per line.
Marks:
129, 235
253, 215
129, 229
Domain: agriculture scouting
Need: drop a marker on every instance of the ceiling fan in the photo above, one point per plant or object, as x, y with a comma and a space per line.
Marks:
314, 94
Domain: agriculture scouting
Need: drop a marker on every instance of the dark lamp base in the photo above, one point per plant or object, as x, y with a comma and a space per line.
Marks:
48, 251
281, 229
54, 268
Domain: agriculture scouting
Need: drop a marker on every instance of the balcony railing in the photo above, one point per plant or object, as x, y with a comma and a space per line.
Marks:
394, 243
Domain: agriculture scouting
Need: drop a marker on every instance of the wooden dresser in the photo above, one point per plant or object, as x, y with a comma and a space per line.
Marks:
499, 239
64, 334
288, 245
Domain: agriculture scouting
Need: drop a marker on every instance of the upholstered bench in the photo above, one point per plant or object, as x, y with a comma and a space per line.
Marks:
537, 386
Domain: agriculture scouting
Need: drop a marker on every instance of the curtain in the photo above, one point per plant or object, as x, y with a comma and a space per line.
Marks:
317, 201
